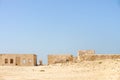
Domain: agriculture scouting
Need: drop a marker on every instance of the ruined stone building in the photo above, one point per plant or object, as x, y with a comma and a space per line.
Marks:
60, 58
83, 55
18, 60
31, 59
89, 55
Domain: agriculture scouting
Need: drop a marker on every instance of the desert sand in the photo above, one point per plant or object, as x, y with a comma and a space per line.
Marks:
86, 70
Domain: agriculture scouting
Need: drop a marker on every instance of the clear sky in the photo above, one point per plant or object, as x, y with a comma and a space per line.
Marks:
59, 26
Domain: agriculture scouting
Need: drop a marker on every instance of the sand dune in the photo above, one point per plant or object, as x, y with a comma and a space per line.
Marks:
87, 70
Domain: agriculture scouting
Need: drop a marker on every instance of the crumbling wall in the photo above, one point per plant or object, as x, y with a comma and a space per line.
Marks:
98, 57
75, 60
89, 55
53, 59
86, 52
83, 53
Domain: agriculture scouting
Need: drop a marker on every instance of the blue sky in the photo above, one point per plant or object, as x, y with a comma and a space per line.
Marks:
59, 26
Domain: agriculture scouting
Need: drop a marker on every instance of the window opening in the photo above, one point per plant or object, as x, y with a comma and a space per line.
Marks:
24, 61
11, 61
29, 60
6, 61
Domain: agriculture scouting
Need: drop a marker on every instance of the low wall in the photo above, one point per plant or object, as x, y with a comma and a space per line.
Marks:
53, 59
97, 57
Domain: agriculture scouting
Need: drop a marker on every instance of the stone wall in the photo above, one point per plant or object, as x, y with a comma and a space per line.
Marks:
18, 60
98, 57
89, 55
86, 52
82, 53
53, 59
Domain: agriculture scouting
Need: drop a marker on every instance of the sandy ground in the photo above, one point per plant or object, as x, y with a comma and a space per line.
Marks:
87, 70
